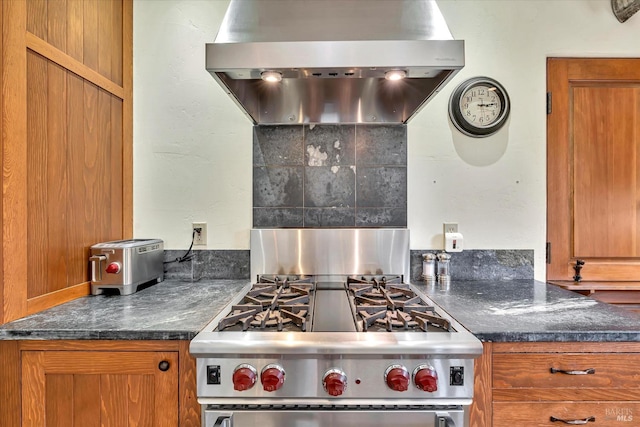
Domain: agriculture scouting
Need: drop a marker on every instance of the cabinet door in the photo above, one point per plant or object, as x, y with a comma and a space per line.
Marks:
593, 168
102, 389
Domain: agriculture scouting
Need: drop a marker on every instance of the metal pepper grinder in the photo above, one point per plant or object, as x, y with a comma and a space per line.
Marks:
444, 276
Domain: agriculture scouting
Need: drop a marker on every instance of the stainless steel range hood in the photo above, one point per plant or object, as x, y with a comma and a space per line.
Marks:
332, 57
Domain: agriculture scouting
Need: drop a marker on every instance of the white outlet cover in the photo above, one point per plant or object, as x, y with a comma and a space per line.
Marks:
200, 239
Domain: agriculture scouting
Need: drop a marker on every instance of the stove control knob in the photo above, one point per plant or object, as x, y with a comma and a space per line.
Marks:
272, 377
334, 382
113, 268
397, 378
244, 377
425, 378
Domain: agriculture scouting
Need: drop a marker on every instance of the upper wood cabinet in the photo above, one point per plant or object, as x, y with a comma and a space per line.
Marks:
66, 107
593, 168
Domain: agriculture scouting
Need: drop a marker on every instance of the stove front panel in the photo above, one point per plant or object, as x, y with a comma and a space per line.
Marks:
303, 378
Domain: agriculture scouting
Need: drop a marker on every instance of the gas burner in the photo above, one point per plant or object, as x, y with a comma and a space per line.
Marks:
376, 280
420, 318
385, 306
280, 306
284, 280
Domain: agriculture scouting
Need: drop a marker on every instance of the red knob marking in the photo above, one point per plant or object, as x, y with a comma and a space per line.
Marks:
272, 379
426, 379
113, 268
398, 379
243, 379
335, 384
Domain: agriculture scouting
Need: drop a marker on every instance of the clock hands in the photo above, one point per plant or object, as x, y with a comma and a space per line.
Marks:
487, 105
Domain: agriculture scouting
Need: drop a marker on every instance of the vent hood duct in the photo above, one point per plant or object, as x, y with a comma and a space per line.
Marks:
332, 57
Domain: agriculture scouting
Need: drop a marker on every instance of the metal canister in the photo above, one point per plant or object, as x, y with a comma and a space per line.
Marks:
429, 268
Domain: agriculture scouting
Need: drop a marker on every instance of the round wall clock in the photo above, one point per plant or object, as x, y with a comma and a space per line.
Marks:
479, 107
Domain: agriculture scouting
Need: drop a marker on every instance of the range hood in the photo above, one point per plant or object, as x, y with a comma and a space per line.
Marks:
329, 59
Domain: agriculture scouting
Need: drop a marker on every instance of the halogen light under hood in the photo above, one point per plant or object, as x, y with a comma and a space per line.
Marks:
329, 58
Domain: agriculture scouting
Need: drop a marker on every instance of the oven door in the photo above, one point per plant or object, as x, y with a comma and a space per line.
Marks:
334, 416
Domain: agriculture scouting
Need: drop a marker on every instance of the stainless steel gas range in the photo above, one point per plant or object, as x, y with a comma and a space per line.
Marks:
332, 334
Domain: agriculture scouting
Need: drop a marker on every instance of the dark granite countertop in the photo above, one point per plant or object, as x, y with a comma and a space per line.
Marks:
527, 310
171, 310
500, 311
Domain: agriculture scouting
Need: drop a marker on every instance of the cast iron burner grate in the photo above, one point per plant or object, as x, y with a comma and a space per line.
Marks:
388, 304
273, 304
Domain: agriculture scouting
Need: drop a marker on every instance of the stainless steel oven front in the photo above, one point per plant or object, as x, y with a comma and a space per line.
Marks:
329, 415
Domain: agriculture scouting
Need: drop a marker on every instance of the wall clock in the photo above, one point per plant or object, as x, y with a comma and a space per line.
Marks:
479, 107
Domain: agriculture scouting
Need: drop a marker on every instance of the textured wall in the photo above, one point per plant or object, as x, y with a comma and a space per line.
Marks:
330, 176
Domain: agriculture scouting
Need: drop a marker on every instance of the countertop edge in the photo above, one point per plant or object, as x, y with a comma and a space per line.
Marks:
61, 322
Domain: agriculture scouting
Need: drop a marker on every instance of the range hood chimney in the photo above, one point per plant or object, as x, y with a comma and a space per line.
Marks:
333, 61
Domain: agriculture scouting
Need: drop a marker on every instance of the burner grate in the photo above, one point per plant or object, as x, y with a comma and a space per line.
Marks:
273, 304
387, 304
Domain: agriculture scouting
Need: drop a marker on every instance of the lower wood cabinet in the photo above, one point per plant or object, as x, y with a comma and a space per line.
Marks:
554, 384
102, 384
613, 413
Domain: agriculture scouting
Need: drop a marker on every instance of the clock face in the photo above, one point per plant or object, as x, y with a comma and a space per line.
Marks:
480, 105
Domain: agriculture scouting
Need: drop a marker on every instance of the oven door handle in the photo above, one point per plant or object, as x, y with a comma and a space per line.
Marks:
445, 421
223, 422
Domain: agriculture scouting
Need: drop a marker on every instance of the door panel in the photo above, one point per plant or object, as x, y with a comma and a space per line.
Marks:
592, 168
604, 170
85, 389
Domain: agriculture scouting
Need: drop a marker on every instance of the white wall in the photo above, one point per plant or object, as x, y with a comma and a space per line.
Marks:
192, 145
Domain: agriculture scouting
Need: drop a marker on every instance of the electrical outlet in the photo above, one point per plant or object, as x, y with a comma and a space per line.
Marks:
200, 237
450, 227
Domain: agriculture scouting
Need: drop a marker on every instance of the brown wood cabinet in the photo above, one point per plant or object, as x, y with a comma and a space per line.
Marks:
66, 134
533, 384
592, 177
592, 168
99, 383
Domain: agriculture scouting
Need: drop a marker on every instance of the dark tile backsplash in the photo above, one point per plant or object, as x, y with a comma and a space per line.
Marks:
475, 264
382, 186
330, 176
285, 217
278, 146
207, 264
478, 264
381, 145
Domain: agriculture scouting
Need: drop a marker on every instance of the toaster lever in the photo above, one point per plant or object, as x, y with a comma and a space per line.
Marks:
96, 269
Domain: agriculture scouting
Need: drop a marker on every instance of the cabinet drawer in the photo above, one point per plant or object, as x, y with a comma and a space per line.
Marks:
536, 414
534, 370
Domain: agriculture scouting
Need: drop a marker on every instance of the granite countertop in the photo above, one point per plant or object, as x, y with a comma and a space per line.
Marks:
170, 310
527, 310
500, 311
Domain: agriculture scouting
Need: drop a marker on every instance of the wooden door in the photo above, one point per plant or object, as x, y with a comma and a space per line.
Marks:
593, 169
67, 131
98, 388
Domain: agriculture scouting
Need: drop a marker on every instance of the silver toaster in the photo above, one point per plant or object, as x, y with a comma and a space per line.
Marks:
125, 265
